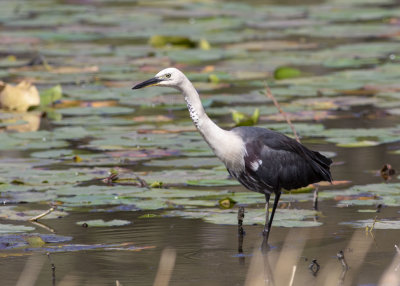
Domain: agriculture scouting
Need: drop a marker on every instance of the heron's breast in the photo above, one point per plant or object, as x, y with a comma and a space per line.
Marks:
231, 151
227, 145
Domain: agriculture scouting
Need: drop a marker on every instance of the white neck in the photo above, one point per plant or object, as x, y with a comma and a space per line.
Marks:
227, 145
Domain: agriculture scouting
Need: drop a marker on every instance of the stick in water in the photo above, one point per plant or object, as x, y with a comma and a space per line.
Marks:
35, 218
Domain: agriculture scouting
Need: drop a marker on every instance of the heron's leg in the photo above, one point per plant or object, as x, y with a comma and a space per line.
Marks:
266, 228
276, 200
240, 235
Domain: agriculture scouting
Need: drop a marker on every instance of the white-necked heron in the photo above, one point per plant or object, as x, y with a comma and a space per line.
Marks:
262, 160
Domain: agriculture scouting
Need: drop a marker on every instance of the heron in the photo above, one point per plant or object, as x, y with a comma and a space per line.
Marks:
262, 160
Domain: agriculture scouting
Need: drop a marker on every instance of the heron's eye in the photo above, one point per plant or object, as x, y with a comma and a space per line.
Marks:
168, 75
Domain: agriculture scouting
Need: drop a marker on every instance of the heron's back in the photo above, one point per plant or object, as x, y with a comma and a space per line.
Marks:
274, 161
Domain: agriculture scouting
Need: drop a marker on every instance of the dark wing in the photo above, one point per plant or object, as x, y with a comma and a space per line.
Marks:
277, 161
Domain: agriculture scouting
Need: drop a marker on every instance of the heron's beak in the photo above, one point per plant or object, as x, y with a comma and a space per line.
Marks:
149, 82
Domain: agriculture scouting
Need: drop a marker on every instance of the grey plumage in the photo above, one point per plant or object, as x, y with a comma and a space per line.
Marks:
262, 160
283, 162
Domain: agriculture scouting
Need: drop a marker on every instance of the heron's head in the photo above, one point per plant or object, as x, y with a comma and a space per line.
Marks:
168, 77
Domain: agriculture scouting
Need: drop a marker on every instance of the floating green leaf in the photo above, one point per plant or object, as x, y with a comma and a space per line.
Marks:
35, 241
159, 41
102, 223
242, 119
50, 95
286, 72
11, 228
156, 184
284, 217
226, 203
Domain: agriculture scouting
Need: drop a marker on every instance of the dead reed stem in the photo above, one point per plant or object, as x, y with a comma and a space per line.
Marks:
284, 114
35, 218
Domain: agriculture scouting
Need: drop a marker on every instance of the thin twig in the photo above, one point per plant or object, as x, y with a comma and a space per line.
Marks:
369, 229
35, 218
269, 94
143, 183
373, 224
397, 249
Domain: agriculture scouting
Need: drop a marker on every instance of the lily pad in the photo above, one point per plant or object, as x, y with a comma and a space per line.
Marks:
75, 111
102, 223
21, 214
24, 241
284, 217
51, 95
372, 194
11, 228
379, 224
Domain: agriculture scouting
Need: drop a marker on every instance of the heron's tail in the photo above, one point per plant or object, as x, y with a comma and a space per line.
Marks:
322, 164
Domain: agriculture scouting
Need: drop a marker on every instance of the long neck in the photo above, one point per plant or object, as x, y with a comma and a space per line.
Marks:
226, 145
203, 123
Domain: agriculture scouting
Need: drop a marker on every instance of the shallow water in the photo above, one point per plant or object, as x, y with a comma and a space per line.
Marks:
206, 253
344, 103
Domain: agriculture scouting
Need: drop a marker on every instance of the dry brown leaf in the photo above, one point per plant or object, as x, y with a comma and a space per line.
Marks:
20, 97
65, 103
157, 118
97, 104
77, 103
334, 183
163, 131
272, 45
387, 172
355, 197
208, 69
66, 70
316, 115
